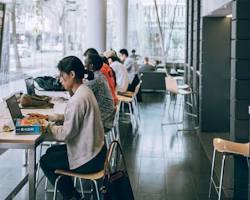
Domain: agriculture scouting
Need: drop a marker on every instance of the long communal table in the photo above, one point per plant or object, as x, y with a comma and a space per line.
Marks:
9, 140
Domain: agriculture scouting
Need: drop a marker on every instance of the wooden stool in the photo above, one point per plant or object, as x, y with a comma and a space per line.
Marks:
130, 99
226, 148
91, 177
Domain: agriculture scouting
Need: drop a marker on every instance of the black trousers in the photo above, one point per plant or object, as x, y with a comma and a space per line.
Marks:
56, 158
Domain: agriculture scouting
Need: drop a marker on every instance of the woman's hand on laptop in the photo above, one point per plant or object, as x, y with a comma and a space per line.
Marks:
38, 115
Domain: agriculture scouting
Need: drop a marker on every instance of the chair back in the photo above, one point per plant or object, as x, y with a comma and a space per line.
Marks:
171, 84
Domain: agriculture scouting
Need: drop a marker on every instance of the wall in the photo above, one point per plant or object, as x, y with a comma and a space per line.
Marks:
215, 71
240, 93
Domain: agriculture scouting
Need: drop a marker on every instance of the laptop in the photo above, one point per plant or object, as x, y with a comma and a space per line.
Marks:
14, 108
15, 112
30, 86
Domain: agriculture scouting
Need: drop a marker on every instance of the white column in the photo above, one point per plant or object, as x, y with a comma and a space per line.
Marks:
96, 15
121, 7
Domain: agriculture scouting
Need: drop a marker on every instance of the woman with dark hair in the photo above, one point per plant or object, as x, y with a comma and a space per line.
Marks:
107, 72
82, 131
100, 88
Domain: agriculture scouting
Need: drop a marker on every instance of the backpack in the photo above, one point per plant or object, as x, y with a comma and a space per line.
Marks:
49, 83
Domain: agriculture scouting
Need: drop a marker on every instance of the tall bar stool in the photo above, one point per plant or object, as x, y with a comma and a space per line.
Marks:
93, 177
130, 99
174, 90
110, 162
227, 148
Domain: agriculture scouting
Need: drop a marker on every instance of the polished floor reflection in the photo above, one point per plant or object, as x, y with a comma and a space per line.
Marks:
162, 165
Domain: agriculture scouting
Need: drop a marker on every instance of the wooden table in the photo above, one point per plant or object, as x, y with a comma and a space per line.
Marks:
9, 140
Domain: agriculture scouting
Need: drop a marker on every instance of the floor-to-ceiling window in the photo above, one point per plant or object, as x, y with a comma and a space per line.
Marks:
156, 28
37, 33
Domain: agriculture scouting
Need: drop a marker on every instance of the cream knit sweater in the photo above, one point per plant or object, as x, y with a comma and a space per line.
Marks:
82, 129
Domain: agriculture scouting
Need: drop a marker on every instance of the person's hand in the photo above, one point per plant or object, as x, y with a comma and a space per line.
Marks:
44, 125
38, 115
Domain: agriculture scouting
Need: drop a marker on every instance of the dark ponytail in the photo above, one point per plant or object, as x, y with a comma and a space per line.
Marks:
72, 63
90, 75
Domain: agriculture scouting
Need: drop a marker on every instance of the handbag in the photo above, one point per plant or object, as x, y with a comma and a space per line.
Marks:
35, 101
116, 183
49, 83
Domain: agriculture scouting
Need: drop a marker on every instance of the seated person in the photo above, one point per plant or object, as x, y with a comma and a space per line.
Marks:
100, 88
134, 55
107, 72
131, 67
146, 66
121, 73
82, 131
129, 63
158, 64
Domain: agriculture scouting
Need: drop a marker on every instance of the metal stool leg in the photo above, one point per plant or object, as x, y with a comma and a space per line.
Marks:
55, 188
38, 165
171, 99
96, 189
137, 105
81, 187
221, 175
116, 129
113, 134
175, 101
136, 114
180, 106
131, 117
46, 184
106, 140
75, 179
211, 176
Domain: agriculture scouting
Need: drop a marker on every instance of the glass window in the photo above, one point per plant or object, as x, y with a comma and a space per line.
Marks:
144, 33
38, 34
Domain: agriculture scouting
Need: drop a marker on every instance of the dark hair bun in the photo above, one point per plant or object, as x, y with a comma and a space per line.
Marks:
90, 75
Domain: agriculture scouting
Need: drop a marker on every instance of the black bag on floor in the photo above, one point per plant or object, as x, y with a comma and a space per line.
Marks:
49, 83
116, 184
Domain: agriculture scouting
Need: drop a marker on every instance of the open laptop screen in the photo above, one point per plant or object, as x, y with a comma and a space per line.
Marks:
30, 86
14, 108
